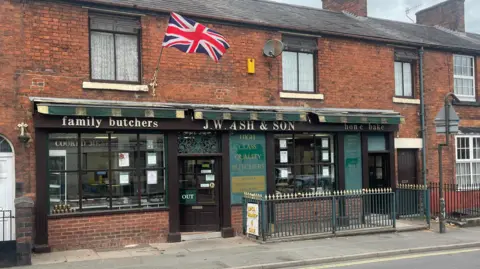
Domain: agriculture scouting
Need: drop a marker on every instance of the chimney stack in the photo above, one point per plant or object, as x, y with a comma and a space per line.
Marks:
449, 14
356, 7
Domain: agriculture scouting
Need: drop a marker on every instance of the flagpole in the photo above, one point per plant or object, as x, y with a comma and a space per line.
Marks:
153, 84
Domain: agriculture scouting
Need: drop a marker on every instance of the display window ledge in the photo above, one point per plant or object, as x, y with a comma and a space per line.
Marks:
107, 212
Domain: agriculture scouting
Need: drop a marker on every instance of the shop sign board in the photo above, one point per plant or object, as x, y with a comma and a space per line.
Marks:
252, 219
247, 164
353, 162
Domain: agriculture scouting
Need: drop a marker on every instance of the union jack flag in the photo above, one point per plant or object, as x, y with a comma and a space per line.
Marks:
192, 37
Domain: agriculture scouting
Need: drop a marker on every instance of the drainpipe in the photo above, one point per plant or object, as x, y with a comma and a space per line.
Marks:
424, 135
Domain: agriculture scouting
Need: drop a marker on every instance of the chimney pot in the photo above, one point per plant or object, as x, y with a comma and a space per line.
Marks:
356, 7
449, 14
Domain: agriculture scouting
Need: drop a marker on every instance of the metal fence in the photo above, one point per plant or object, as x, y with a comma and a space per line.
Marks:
412, 202
461, 201
285, 215
7, 226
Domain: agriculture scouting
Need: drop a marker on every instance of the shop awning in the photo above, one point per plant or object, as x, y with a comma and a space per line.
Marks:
105, 111
202, 114
106, 108
359, 119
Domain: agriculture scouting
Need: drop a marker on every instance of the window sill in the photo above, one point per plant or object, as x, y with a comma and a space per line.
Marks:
466, 103
114, 86
107, 212
399, 100
295, 95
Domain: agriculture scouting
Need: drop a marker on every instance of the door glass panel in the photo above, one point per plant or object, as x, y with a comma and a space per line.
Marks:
187, 182
206, 195
379, 161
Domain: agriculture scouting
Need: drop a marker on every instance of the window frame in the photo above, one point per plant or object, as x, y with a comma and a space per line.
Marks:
471, 161
332, 162
137, 170
139, 48
298, 50
465, 98
412, 79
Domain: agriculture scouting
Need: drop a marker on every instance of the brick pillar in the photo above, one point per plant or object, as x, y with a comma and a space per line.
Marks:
24, 229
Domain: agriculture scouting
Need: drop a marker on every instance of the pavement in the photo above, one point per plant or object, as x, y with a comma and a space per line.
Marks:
242, 253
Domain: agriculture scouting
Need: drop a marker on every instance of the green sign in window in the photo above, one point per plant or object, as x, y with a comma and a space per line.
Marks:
247, 164
353, 162
188, 197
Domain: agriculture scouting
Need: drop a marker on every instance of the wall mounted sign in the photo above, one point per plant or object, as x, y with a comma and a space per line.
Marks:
95, 122
353, 162
188, 197
364, 127
249, 125
247, 164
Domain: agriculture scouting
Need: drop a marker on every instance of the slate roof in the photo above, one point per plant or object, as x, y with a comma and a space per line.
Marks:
306, 19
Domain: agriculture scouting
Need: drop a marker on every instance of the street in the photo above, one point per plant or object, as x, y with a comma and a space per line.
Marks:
463, 258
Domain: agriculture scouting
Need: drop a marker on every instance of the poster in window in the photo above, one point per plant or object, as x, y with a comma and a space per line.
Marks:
325, 154
152, 178
150, 144
123, 160
284, 156
326, 171
324, 142
151, 158
283, 173
210, 178
124, 178
283, 143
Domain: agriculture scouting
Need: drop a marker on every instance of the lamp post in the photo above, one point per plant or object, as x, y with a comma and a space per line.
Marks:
447, 122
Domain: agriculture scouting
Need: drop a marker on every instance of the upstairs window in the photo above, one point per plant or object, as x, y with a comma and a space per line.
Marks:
464, 77
298, 64
114, 48
405, 62
403, 79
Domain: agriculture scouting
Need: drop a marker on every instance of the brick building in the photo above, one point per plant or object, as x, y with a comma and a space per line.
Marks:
113, 161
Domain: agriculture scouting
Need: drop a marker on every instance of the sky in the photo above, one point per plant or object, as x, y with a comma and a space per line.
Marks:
395, 9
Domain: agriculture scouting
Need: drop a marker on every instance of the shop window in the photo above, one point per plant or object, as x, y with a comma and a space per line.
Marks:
114, 48
304, 163
105, 171
464, 77
468, 161
298, 64
198, 143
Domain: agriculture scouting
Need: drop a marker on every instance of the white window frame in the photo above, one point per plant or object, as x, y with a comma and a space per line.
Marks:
463, 97
471, 161
412, 86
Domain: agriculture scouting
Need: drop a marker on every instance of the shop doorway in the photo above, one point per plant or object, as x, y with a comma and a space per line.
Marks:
200, 180
7, 191
378, 170
379, 177
407, 166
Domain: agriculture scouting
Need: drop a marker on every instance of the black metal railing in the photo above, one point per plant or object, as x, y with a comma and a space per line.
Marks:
461, 201
286, 215
412, 202
7, 226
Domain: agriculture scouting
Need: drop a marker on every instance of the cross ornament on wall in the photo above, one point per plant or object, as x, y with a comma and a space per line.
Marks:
23, 126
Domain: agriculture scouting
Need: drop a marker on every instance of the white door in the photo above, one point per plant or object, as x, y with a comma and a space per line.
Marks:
7, 191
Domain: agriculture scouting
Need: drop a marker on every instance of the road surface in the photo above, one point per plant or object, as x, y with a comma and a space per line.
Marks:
455, 259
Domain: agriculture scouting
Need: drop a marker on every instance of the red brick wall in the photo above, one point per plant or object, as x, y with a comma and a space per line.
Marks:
111, 231
49, 52
237, 219
438, 82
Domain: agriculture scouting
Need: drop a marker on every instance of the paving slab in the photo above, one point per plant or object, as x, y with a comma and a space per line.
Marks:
240, 252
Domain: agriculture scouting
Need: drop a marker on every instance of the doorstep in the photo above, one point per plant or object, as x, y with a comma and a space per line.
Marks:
200, 236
